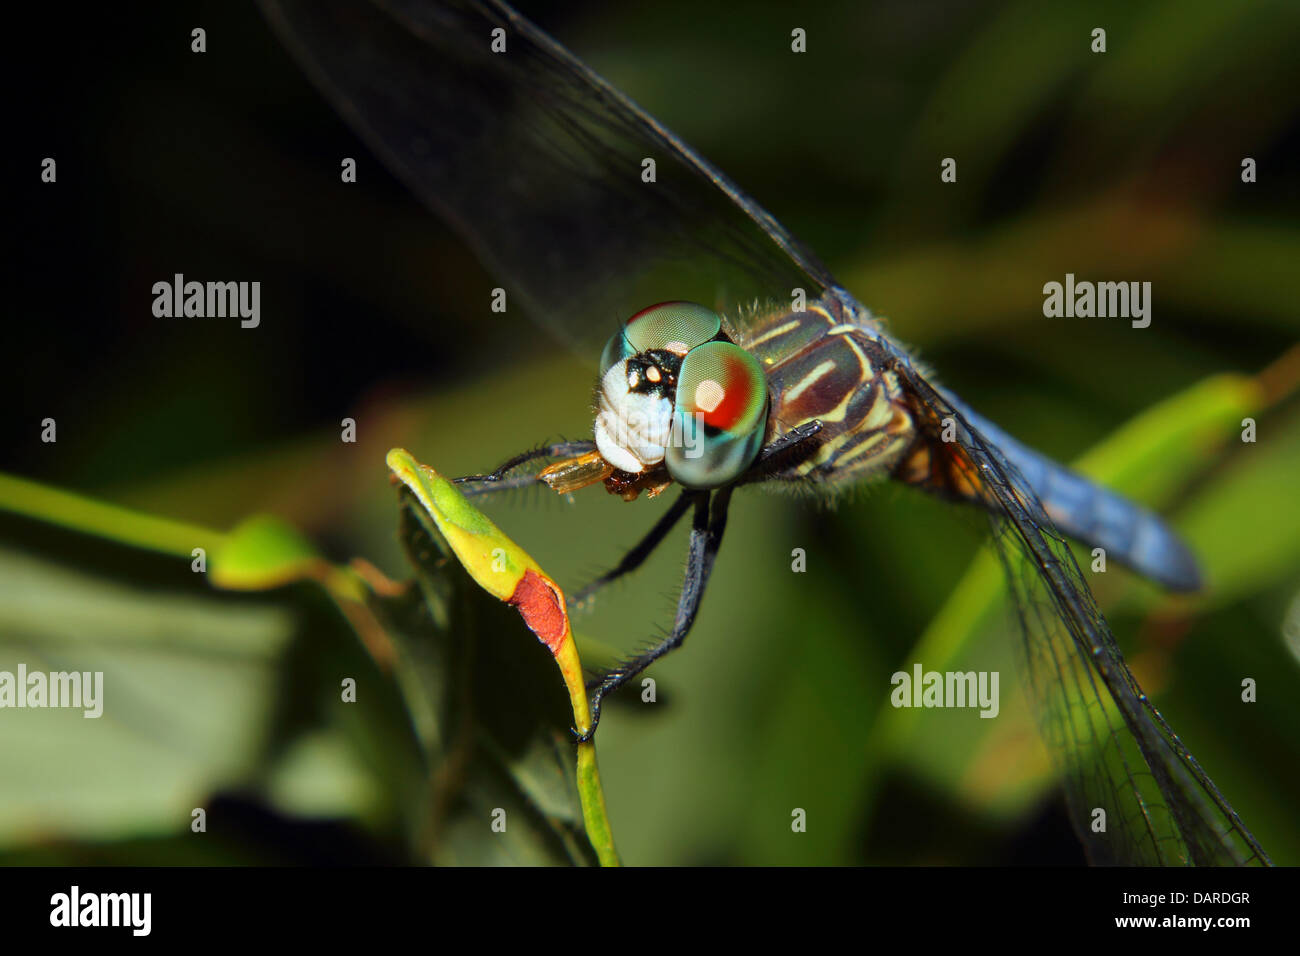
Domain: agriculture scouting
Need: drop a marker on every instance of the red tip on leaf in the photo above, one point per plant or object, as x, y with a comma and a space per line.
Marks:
542, 609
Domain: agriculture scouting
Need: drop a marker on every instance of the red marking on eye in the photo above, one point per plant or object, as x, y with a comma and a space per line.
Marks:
542, 609
736, 393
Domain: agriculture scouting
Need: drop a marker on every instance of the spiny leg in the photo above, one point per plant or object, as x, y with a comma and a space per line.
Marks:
706, 537
769, 457
636, 557
502, 480
791, 438
564, 449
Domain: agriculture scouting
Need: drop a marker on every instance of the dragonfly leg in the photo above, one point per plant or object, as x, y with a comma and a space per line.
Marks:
636, 557
771, 457
707, 527
502, 480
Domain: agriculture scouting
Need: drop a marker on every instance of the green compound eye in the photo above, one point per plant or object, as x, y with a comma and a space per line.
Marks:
719, 418
675, 326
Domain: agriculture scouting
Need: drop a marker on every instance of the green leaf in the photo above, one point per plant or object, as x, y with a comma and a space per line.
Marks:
188, 698
263, 552
438, 520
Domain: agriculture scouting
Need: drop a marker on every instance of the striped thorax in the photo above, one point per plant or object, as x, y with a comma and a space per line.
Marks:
822, 366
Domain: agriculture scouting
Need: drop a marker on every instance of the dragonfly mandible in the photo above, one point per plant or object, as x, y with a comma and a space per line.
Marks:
536, 161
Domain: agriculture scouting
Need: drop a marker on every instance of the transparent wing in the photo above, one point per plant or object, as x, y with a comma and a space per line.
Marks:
541, 167
1115, 751
540, 164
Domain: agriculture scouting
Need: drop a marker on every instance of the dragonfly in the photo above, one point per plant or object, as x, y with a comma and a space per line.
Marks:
588, 208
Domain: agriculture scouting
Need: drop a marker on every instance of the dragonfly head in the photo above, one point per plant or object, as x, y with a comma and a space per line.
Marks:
675, 393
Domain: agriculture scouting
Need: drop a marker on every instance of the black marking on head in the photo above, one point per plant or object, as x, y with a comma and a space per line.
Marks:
654, 372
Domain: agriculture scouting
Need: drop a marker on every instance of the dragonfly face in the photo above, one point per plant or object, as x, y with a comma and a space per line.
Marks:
679, 400
523, 147
677, 395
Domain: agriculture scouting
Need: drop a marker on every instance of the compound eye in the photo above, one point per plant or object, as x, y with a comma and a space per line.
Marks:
675, 326
719, 418
616, 349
